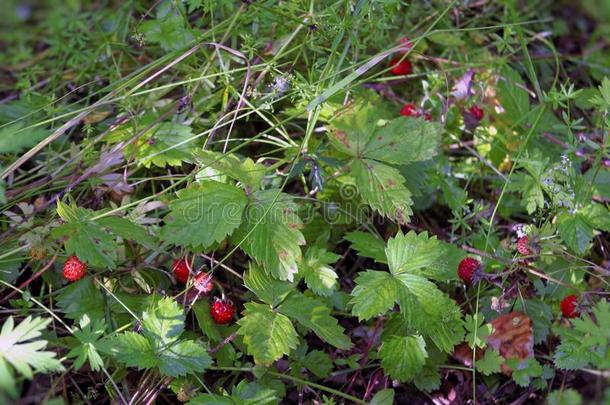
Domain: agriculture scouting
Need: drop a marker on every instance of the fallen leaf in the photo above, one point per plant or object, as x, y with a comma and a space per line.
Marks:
512, 336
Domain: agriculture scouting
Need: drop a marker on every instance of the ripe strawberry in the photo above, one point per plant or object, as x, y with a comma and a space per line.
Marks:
523, 246
181, 270
568, 306
222, 311
399, 67
467, 269
427, 116
203, 282
477, 112
409, 110
74, 269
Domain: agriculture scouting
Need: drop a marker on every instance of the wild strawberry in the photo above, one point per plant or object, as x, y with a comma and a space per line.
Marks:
222, 311
467, 269
181, 270
568, 306
399, 67
427, 116
74, 269
477, 112
523, 246
203, 282
409, 110
405, 43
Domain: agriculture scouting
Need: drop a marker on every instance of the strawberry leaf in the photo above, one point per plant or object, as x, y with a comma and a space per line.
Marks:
268, 335
319, 276
402, 357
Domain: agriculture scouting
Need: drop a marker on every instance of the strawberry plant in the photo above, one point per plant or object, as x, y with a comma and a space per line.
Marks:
224, 202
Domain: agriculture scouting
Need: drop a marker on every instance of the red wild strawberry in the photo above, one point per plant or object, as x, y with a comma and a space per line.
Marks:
181, 270
203, 282
74, 269
428, 116
477, 112
467, 268
222, 311
523, 246
409, 110
399, 67
568, 306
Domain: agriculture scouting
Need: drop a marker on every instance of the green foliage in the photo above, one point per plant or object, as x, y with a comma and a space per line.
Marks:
160, 344
21, 351
586, 342
204, 214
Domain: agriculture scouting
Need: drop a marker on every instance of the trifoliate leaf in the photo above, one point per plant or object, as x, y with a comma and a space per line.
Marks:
270, 233
204, 214
268, 335
248, 173
313, 314
490, 363
383, 188
412, 253
133, 350
160, 345
375, 293
319, 276
402, 357
163, 323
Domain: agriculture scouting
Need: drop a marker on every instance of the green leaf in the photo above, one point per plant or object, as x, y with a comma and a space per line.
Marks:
267, 334
383, 188
383, 397
318, 362
412, 253
367, 245
244, 393
169, 29
127, 230
575, 231
183, 357
568, 396
132, 349
204, 214
87, 343
403, 140
313, 314
375, 293
524, 371
248, 173
15, 138
270, 233
160, 345
361, 133
513, 95
163, 323
207, 325
166, 144
265, 287
319, 276
477, 330
20, 348
402, 357
81, 298
490, 363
